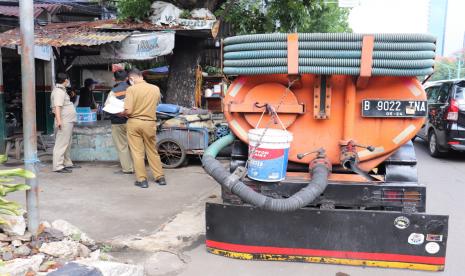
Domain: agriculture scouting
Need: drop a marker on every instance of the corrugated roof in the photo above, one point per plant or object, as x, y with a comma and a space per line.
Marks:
127, 25
85, 33
65, 34
38, 9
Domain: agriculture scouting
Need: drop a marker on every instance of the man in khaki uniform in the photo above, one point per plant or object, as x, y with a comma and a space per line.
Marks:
118, 123
140, 106
65, 117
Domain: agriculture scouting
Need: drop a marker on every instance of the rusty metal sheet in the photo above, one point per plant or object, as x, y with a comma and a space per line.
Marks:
38, 9
65, 34
85, 33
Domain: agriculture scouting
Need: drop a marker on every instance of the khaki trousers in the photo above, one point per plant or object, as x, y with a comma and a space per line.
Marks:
142, 141
120, 139
62, 148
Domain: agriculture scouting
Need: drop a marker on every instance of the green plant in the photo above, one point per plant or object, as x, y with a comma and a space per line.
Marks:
137, 10
256, 16
211, 70
186, 14
105, 248
10, 207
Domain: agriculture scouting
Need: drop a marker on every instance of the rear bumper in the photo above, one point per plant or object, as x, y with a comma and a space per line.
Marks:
458, 147
366, 195
361, 238
457, 144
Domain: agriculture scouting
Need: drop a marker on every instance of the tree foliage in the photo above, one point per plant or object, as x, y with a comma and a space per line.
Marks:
448, 68
256, 16
245, 16
139, 10
133, 9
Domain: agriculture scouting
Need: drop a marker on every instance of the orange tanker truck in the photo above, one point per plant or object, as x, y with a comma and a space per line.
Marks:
322, 167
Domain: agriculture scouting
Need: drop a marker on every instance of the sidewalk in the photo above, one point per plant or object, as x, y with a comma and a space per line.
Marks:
107, 205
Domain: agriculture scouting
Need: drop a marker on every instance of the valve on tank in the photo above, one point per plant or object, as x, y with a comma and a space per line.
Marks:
320, 159
349, 157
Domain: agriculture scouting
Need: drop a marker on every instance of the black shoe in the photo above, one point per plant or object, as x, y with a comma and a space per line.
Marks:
64, 170
161, 181
73, 167
142, 184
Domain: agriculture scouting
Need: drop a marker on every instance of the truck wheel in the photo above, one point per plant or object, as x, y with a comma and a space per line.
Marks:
433, 145
172, 153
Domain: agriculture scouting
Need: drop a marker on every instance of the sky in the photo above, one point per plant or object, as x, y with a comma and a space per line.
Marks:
408, 16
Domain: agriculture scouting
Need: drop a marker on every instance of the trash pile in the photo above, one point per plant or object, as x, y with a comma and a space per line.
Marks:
164, 13
60, 248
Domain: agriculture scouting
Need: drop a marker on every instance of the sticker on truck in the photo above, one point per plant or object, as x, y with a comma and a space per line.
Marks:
416, 238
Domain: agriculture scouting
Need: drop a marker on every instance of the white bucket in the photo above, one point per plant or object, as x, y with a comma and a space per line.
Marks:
268, 161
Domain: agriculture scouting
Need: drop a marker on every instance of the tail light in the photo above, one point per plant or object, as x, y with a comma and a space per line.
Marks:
452, 113
399, 195
392, 195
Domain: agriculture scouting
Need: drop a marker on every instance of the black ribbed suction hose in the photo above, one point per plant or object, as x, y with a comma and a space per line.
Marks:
233, 183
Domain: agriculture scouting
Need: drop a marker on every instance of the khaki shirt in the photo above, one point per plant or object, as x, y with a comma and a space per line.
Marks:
60, 98
141, 101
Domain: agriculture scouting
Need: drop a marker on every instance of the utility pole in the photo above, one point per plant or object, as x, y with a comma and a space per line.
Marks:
28, 82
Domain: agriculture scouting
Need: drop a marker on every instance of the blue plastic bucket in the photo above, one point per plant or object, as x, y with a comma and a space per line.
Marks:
268, 160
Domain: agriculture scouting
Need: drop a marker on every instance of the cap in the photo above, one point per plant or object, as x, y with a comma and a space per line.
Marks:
88, 82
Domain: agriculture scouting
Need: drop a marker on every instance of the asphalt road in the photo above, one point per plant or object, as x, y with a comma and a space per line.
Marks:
445, 179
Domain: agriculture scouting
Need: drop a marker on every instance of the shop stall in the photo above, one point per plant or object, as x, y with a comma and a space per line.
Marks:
89, 50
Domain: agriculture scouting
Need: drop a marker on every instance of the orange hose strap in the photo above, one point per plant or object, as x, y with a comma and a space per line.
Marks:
293, 54
366, 61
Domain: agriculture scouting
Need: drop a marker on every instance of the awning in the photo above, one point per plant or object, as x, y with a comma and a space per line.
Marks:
65, 34
38, 9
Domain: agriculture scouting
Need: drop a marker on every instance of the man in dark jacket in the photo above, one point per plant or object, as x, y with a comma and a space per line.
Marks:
118, 123
86, 95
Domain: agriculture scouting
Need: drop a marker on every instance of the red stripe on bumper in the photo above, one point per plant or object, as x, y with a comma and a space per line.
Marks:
326, 253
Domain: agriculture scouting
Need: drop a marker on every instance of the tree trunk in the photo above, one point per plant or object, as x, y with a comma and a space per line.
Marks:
181, 80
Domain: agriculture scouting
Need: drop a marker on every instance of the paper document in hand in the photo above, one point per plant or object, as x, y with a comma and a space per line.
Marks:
114, 106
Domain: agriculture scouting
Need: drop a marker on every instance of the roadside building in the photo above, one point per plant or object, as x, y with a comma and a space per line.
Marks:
91, 50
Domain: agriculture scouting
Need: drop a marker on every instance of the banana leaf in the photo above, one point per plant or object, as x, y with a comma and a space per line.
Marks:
17, 172
9, 188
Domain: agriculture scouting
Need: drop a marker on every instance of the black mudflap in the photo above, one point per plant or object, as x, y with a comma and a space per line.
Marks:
351, 237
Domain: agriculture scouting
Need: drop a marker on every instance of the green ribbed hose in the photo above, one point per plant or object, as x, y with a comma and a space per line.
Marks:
219, 144
326, 71
329, 37
377, 63
331, 45
331, 54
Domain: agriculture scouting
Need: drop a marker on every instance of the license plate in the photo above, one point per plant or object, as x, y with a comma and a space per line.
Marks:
394, 108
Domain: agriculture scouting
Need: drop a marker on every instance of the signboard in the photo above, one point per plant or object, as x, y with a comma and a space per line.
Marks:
43, 52
143, 46
197, 24
168, 14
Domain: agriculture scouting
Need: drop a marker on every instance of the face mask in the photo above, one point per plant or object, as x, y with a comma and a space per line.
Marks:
131, 81
68, 83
